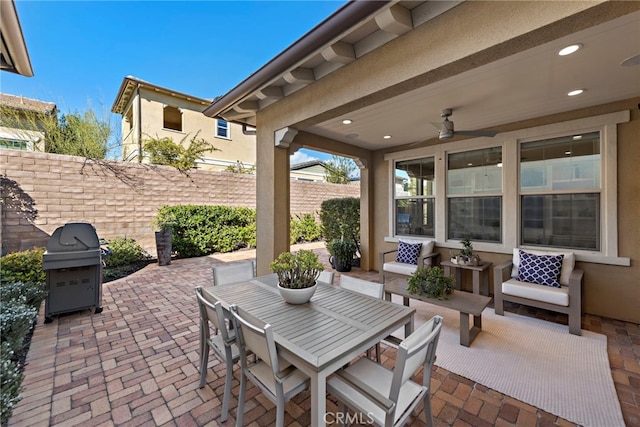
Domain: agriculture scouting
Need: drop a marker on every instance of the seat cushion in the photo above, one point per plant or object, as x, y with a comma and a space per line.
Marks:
399, 268
557, 296
568, 263
540, 269
408, 252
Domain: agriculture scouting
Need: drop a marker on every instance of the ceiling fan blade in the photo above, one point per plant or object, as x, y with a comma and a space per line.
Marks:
490, 133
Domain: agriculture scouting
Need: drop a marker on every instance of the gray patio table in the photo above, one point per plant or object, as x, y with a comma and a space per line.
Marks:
321, 336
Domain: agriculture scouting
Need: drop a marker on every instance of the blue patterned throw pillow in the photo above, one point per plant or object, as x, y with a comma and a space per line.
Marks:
540, 269
408, 252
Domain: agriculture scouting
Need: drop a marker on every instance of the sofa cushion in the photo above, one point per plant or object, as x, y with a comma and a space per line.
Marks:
399, 268
427, 245
557, 296
408, 252
568, 263
540, 269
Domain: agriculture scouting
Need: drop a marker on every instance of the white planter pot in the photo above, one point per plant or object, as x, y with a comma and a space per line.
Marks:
297, 296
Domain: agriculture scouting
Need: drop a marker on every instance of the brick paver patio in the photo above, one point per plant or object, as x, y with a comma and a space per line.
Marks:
135, 364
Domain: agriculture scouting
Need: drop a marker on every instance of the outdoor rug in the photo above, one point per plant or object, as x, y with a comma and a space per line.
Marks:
535, 361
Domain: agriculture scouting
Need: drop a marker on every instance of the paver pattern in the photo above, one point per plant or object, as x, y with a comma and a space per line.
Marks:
136, 364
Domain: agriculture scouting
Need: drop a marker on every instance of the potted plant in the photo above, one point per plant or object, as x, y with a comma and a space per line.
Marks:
297, 275
165, 223
431, 282
342, 253
466, 255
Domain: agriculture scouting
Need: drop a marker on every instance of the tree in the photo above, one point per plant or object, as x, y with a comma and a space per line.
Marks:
164, 151
75, 134
339, 170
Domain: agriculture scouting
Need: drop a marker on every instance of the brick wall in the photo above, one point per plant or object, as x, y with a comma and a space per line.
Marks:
41, 192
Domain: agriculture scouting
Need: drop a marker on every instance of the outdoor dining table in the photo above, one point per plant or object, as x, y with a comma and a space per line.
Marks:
321, 336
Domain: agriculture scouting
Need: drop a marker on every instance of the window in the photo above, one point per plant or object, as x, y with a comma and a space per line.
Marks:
222, 128
474, 195
172, 118
414, 197
13, 144
560, 186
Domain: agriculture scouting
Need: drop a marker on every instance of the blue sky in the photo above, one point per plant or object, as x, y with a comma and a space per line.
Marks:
80, 51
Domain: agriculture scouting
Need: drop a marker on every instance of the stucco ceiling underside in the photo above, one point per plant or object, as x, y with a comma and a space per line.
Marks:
527, 83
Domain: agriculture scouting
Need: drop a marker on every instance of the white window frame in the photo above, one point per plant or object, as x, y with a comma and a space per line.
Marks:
422, 197
228, 135
606, 124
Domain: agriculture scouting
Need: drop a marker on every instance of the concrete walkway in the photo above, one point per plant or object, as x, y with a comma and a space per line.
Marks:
136, 364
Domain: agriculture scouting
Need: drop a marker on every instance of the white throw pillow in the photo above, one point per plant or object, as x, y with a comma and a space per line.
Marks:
568, 263
427, 245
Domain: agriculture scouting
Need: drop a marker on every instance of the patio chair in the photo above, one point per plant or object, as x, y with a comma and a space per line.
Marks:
278, 380
387, 398
234, 273
222, 343
326, 277
365, 287
559, 289
410, 254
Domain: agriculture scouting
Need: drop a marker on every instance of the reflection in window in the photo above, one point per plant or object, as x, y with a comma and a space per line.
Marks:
172, 118
474, 190
414, 197
560, 183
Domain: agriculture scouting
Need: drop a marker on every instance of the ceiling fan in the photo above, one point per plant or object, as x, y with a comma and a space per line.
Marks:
447, 132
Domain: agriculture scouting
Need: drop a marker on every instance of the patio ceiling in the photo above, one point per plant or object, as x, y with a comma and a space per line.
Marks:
529, 84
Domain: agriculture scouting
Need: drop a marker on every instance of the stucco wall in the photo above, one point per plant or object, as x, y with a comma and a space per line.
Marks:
41, 192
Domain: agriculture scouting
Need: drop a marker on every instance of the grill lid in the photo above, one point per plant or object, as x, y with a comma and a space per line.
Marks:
72, 237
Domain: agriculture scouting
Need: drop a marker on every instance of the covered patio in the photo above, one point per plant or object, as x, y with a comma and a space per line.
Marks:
136, 363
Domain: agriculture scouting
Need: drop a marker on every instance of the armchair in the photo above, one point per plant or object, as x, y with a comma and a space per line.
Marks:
564, 299
393, 264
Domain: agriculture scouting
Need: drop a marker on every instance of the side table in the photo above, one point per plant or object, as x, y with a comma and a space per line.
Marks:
479, 272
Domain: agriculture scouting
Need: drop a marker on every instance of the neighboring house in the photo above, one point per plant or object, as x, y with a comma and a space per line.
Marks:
152, 111
561, 173
16, 130
313, 170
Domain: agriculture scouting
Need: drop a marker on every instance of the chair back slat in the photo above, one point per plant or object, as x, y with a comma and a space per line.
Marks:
362, 286
211, 312
416, 350
326, 277
257, 336
233, 273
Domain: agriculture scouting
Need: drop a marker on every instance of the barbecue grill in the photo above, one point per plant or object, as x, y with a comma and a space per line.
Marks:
73, 265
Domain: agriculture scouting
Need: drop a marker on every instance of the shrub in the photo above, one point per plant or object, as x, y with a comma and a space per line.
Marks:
202, 230
10, 380
340, 219
304, 228
125, 250
15, 321
25, 266
31, 293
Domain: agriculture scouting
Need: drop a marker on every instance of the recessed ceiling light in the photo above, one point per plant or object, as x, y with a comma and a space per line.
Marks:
347, 121
569, 49
568, 153
469, 164
577, 137
575, 92
387, 137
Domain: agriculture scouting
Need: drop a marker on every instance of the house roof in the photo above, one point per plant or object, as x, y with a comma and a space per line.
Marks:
499, 69
13, 49
131, 83
27, 104
308, 164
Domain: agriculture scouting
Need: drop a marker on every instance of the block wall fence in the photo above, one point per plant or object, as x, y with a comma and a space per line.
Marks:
41, 192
